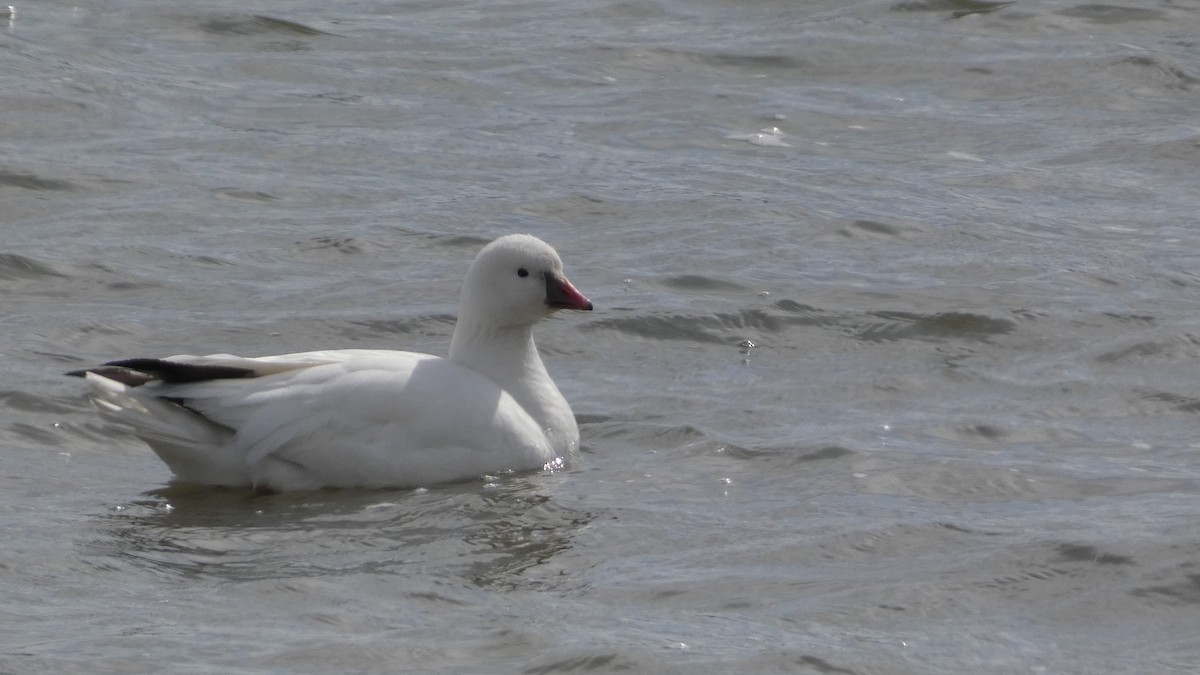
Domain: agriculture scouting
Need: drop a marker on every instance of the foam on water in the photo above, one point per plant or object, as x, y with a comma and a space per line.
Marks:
770, 137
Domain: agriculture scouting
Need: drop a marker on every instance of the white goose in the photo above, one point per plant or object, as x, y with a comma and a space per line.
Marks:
361, 417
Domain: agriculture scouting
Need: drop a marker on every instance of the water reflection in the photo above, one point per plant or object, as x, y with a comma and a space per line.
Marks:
490, 534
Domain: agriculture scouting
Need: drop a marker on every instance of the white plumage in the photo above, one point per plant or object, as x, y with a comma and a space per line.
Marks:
367, 418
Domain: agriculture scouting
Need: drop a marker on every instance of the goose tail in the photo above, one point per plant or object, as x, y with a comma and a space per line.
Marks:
191, 444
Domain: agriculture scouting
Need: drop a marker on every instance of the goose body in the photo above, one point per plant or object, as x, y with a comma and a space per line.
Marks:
363, 417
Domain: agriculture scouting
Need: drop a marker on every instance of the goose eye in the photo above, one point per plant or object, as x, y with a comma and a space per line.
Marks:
522, 272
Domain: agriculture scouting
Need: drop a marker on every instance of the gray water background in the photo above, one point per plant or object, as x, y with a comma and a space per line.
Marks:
960, 236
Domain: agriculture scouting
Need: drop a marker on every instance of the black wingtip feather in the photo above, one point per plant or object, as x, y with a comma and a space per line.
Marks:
127, 377
135, 372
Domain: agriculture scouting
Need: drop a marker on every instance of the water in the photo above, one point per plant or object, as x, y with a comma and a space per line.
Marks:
960, 237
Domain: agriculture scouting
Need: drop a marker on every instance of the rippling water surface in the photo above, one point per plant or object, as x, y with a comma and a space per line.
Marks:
893, 368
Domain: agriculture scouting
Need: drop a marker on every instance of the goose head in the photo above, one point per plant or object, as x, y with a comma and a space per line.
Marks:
515, 281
